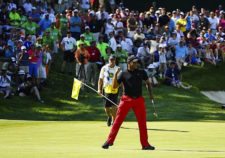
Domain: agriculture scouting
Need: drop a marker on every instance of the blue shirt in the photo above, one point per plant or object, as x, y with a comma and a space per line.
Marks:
181, 52
75, 20
44, 24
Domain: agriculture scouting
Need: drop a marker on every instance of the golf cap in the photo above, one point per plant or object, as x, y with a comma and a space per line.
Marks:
21, 72
119, 45
181, 13
75, 11
82, 35
157, 12
87, 27
23, 48
112, 57
132, 58
162, 45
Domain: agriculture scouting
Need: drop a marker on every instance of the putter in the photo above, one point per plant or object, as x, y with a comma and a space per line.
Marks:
155, 113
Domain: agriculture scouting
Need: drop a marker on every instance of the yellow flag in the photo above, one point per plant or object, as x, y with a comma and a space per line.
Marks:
76, 88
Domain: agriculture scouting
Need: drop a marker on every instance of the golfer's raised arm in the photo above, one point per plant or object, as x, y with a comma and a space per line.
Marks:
115, 84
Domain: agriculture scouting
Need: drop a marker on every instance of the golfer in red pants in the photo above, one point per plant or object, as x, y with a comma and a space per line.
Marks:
132, 99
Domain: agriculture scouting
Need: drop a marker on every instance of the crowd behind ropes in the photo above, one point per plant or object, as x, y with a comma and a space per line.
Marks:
87, 32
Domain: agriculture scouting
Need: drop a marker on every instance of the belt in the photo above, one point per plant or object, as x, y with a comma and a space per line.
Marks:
133, 97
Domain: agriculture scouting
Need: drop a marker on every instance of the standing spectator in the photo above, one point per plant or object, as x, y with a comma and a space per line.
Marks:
203, 22
182, 22
44, 24
213, 22
95, 25
162, 60
14, 17
105, 87
74, 24
112, 41
121, 57
102, 46
92, 68
68, 45
82, 56
30, 27
23, 60
88, 35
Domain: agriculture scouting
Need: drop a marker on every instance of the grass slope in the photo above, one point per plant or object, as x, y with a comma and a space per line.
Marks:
26, 139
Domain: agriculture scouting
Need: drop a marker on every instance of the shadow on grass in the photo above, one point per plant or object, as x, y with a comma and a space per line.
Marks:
201, 151
161, 130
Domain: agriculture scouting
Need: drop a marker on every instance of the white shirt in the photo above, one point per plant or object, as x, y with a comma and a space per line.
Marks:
162, 57
85, 4
107, 74
5, 81
99, 15
213, 23
69, 43
113, 44
143, 52
28, 7
127, 45
154, 46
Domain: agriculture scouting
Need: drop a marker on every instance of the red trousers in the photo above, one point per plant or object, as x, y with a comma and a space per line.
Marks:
138, 106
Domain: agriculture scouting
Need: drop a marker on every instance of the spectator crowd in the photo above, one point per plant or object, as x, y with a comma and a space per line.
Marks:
87, 32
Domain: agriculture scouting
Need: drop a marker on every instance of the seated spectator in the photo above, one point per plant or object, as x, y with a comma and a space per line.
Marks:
172, 77
5, 82
181, 53
27, 87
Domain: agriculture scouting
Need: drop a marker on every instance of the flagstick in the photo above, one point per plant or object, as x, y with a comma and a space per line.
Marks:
100, 94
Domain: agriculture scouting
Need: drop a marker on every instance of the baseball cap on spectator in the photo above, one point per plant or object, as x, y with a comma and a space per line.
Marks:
222, 12
21, 72
23, 48
157, 12
75, 11
82, 35
119, 45
20, 40
201, 14
87, 27
112, 57
182, 13
92, 12
132, 58
28, 76
162, 45
174, 12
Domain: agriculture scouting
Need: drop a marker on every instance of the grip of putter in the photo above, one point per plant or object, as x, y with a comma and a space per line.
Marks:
152, 101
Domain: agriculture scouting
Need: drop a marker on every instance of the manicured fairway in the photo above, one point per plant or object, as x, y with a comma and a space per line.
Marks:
30, 139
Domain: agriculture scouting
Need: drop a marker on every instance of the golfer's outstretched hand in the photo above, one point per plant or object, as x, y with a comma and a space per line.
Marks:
118, 71
100, 92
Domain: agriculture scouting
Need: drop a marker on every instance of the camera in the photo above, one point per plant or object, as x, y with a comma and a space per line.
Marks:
81, 58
